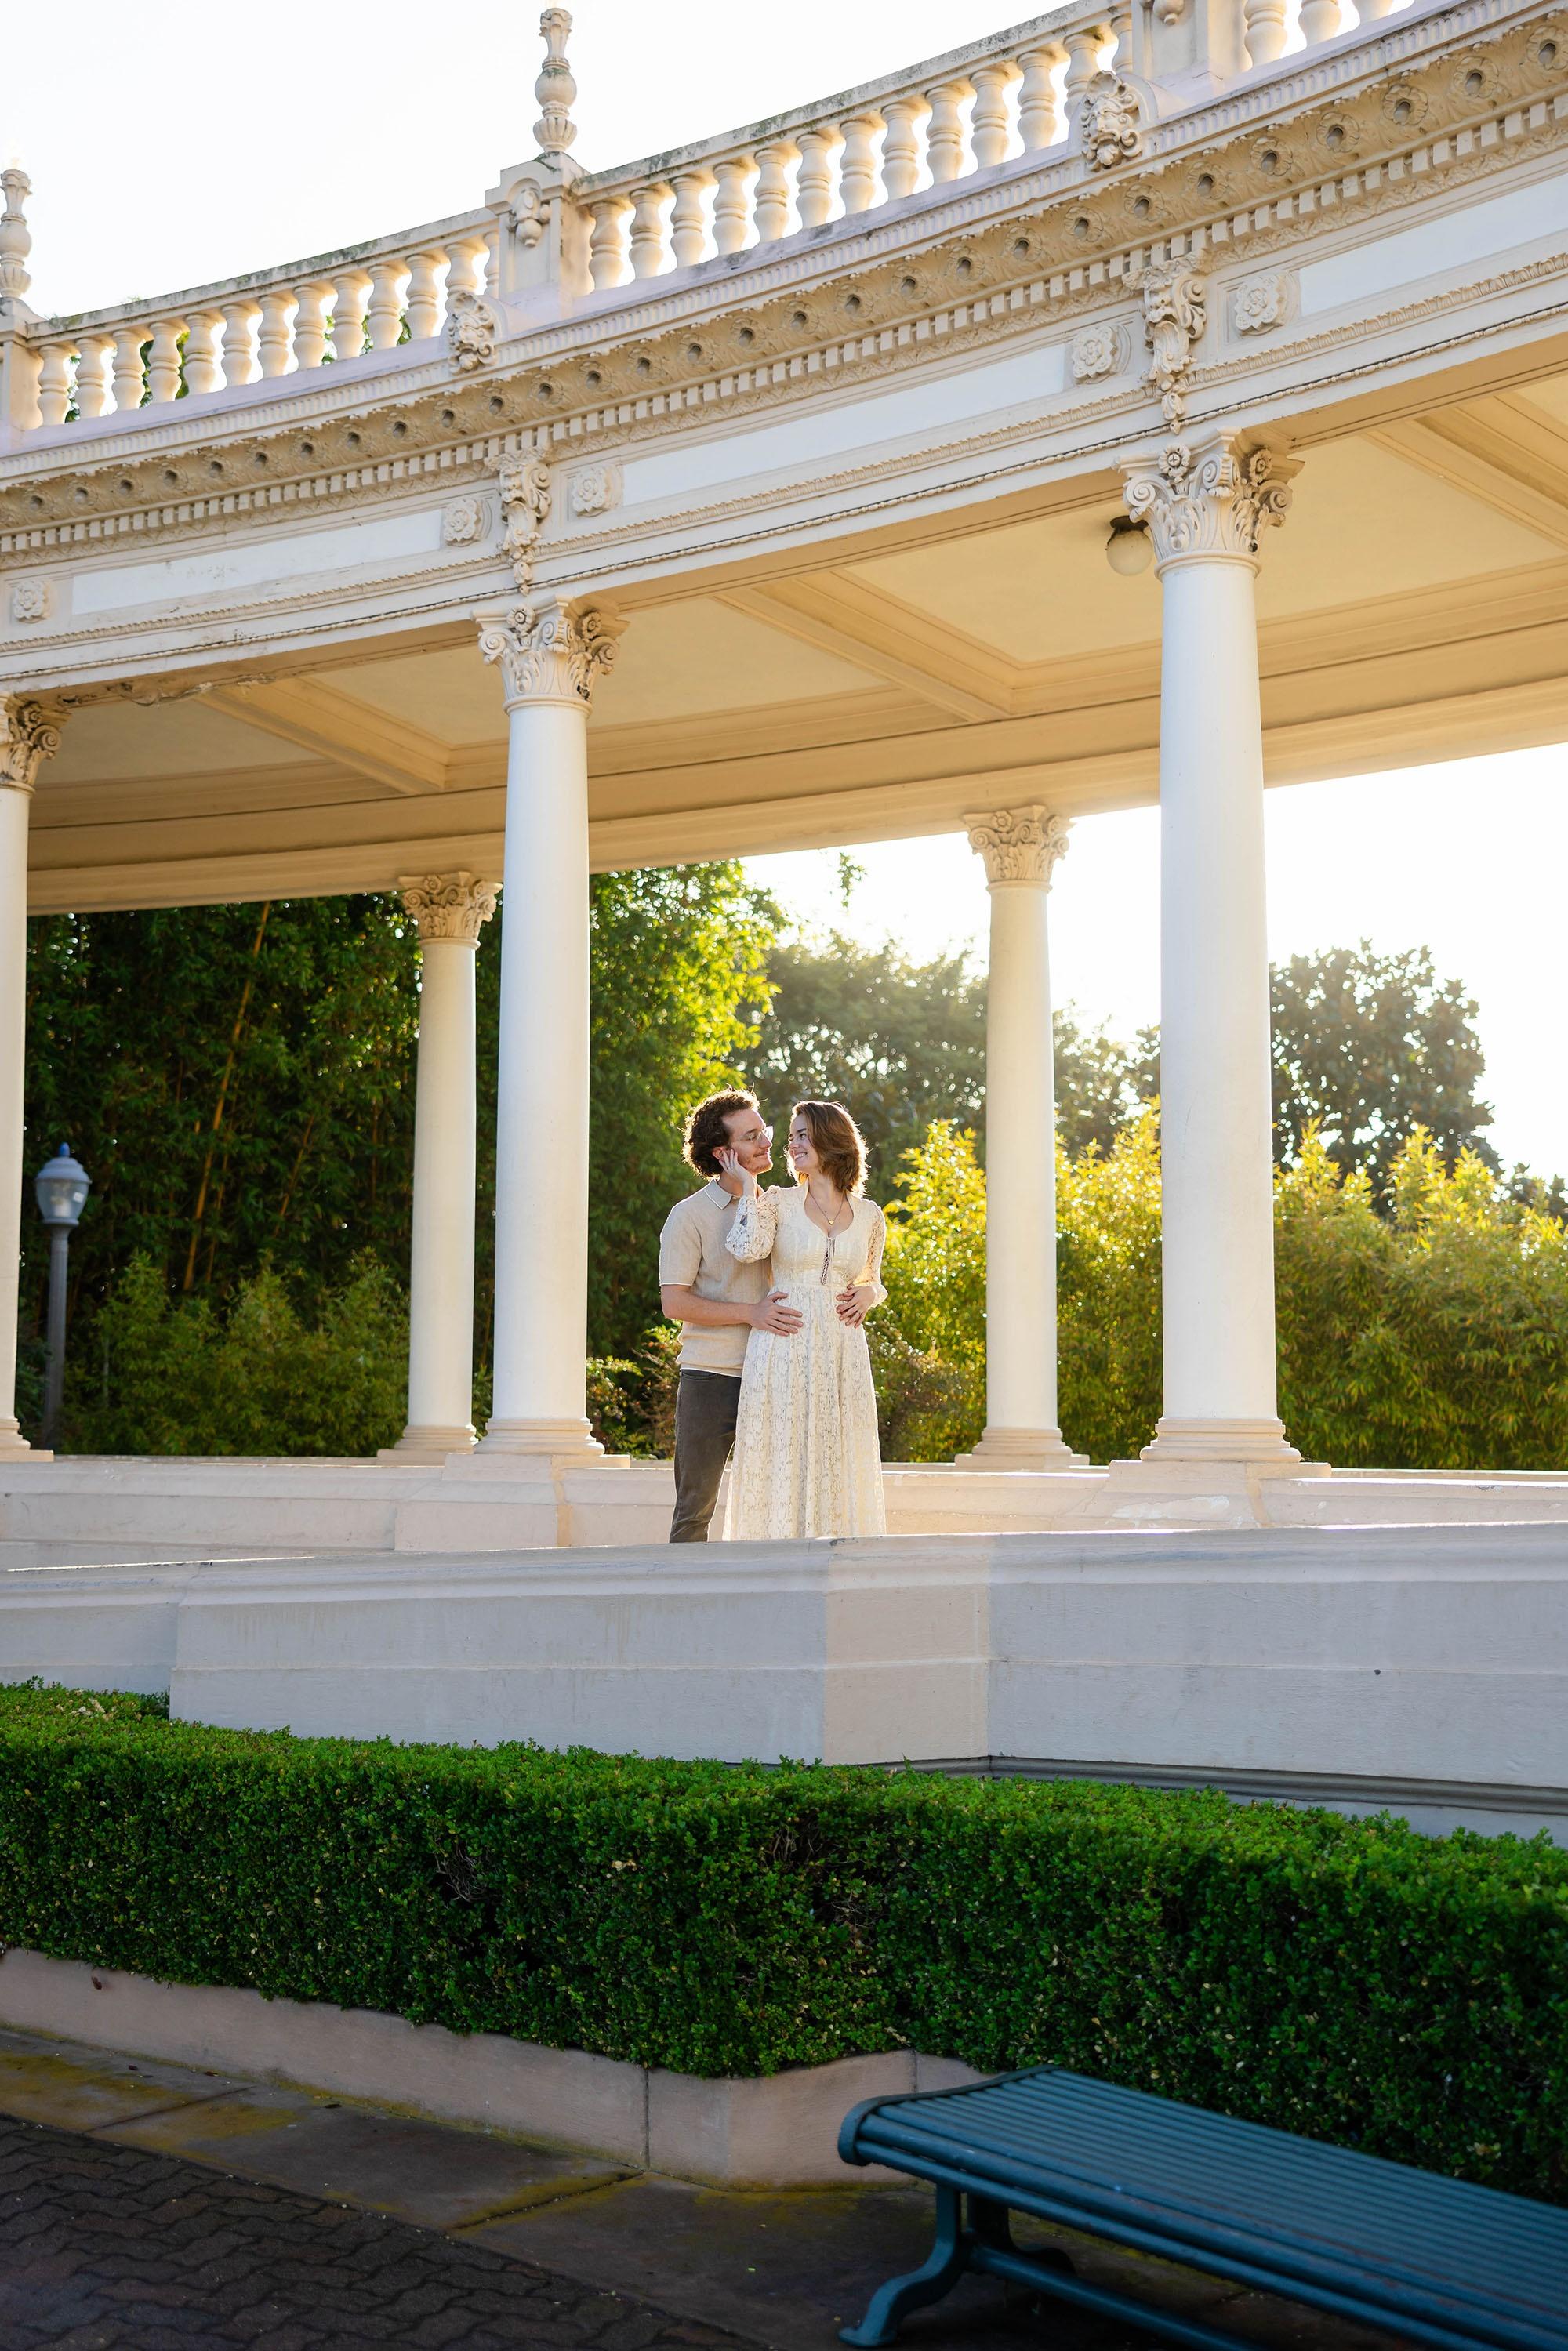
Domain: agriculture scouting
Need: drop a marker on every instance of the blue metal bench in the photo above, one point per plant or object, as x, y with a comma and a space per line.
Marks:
1430, 2259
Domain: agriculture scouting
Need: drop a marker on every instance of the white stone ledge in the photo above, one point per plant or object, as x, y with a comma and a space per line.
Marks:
778, 2131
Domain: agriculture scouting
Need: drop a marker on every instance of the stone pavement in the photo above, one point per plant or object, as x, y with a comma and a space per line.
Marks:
146, 2207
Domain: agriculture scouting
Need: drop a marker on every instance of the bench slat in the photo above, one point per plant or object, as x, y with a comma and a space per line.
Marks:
1337, 2228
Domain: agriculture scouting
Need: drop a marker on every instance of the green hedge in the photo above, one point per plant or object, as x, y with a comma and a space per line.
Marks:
1349, 1979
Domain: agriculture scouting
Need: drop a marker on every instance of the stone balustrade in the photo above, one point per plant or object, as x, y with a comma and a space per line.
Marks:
1095, 74
372, 299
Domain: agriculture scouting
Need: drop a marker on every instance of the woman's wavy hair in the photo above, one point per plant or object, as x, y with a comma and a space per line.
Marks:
837, 1142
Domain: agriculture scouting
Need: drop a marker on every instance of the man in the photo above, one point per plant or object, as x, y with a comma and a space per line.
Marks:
716, 1299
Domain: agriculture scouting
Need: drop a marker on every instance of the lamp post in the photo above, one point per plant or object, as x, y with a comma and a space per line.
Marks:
61, 1184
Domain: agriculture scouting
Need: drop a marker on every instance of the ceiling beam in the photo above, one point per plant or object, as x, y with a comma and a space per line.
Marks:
1489, 453
336, 727
841, 615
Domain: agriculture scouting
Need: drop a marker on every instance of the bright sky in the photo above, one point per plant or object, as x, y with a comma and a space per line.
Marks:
1467, 859
170, 144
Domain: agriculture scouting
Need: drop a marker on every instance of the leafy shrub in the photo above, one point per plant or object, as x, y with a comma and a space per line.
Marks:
1348, 1980
176, 1376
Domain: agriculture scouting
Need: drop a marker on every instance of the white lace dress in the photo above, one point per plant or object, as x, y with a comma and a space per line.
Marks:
806, 1459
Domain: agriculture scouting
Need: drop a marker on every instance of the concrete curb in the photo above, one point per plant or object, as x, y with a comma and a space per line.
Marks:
778, 2132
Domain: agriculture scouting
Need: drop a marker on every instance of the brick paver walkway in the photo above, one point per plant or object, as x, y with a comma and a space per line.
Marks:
103, 2247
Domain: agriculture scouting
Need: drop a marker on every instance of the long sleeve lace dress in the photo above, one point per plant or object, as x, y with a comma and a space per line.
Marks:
806, 1458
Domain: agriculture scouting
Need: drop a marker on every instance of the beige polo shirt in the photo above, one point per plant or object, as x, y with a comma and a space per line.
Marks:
692, 1253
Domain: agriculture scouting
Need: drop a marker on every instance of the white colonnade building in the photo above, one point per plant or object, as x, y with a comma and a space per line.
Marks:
1134, 404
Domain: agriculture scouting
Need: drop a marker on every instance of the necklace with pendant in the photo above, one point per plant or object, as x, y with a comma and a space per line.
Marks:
832, 1238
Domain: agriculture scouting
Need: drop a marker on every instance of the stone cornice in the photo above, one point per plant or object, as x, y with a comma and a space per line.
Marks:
860, 305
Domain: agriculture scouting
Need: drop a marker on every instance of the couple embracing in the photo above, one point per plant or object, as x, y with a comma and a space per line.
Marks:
772, 1289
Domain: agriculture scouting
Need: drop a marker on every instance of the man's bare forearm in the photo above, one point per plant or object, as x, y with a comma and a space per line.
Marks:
682, 1305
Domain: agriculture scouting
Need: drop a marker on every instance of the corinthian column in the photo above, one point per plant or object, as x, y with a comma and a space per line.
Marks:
1021, 847
449, 909
549, 655
1205, 502
27, 736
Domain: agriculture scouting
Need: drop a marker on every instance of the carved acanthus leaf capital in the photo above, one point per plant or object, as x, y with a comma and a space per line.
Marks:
28, 736
550, 653
525, 486
448, 905
1209, 497
1021, 844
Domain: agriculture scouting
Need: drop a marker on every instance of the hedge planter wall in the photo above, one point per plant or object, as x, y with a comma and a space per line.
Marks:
1348, 1980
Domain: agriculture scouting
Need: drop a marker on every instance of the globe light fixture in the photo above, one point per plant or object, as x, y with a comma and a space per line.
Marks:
1127, 550
61, 1184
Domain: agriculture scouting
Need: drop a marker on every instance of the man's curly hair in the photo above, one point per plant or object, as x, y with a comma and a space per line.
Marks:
706, 1133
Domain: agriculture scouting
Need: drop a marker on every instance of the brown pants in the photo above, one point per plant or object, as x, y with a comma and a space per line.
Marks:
705, 1406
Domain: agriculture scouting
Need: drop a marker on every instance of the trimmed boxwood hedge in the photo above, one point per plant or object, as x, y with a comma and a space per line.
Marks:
1348, 1980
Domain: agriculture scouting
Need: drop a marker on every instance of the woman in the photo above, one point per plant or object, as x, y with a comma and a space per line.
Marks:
806, 1458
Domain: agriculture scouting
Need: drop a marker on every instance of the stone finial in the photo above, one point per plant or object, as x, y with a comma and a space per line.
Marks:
16, 236
448, 905
1211, 497
1021, 844
28, 736
554, 88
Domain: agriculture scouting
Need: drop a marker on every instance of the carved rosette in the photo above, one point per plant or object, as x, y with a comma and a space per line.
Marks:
525, 486
1019, 845
550, 652
1210, 498
28, 736
448, 905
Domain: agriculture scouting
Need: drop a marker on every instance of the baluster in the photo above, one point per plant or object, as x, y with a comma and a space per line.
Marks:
350, 292
648, 229
1122, 35
732, 204
770, 203
857, 165
239, 343
163, 362
203, 371
92, 375
944, 133
901, 148
1370, 10
466, 268
688, 218
607, 242
277, 308
311, 324
57, 378
1039, 109
991, 132
1265, 23
423, 293
128, 377
1083, 54
814, 188
1320, 20
383, 319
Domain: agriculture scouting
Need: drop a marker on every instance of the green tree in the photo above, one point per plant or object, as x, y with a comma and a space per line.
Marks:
1367, 1048
900, 1042
1102, 1083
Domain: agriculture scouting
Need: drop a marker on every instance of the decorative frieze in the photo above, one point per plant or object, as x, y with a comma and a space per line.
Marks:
1210, 496
525, 486
28, 736
1096, 352
448, 905
463, 520
1261, 302
550, 651
1176, 310
1019, 845
595, 490
30, 600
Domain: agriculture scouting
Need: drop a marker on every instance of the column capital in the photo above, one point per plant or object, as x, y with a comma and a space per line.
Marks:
1020, 845
1209, 495
550, 652
448, 905
30, 734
